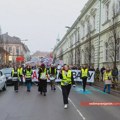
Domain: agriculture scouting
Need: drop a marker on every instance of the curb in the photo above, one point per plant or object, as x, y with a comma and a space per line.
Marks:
113, 92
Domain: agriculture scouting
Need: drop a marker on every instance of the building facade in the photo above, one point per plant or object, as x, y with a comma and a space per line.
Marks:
14, 47
4, 55
93, 36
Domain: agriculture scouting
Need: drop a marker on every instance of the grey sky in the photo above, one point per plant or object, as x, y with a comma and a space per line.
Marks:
39, 21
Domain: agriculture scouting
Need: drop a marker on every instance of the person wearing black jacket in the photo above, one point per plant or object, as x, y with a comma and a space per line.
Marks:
84, 76
102, 71
42, 77
28, 77
15, 78
52, 76
115, 74
67, 80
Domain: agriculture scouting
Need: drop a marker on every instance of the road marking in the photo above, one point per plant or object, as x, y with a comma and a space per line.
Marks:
81, 115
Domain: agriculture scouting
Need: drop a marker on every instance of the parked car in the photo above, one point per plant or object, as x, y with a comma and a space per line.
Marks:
7, 73
2, 81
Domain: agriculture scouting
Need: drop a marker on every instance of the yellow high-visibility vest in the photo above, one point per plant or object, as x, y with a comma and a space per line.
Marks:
43, 75
107, 75
20, 71
66, 80
28, 73
15, 72
84, 73
54, 70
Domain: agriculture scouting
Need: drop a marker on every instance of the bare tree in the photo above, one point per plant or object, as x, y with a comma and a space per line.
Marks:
77, 49
114, 40
88, 49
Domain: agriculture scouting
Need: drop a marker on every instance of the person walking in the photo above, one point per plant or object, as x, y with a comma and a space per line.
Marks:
97, 75
20, 71
107, 77
115, 77
84, 76
28, 77
15, 78
67, 80
52, 76
42, 77
102, 72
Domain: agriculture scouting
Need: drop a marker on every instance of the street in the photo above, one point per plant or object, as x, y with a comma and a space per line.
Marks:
33, 106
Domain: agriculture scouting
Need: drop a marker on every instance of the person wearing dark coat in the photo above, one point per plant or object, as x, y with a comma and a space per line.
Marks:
42, 77
15, 78
28, 77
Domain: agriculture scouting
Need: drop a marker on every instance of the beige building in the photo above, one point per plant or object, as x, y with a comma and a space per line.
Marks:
40, 54
14, 47
91, 38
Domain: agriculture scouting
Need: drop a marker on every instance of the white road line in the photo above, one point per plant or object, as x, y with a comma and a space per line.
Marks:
81, 115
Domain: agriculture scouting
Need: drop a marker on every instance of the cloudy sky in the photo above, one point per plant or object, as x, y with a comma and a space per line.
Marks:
39, 21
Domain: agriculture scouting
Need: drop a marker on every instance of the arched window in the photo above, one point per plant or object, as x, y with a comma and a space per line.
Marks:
86, 55
106, 51
82, 56
92, 55
118, 50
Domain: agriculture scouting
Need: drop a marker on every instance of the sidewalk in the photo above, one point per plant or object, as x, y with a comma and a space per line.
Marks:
100, 85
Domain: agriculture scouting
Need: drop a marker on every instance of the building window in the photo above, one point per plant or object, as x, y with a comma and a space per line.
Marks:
118, 50
118, 9
107, 11
76, 36
106, 51
79, 34
94, 22
110, 50
86, 58
92, 54
88, 27
10, 50
82, 57
83, 30
71, 41
17, 50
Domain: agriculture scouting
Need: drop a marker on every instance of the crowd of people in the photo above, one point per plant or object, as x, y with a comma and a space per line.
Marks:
65, 74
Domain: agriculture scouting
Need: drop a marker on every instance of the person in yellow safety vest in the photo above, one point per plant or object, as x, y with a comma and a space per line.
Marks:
15, 78
107, 77
28, 77
84, 76
20, 71
42, 77
67, 80
52, 76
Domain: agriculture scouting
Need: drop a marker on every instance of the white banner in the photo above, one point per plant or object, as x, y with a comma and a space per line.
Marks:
76, 76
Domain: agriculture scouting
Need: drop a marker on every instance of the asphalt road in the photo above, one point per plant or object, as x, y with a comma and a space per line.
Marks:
33, 106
